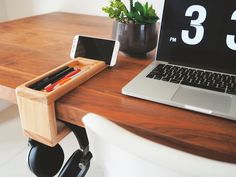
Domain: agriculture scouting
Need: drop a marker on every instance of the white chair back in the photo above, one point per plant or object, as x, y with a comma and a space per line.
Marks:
120, 153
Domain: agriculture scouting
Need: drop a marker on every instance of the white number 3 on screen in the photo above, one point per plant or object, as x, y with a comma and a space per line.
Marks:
202, 13
230, 39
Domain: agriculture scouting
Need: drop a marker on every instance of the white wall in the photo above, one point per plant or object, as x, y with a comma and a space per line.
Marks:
21, 8
95, 7
3, 12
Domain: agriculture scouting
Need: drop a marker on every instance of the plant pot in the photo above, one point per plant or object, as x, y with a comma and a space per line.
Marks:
135, 39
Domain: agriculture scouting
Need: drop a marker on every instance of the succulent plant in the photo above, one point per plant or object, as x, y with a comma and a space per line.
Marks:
137, 13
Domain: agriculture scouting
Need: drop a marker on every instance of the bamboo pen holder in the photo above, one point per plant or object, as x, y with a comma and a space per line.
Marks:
37, 107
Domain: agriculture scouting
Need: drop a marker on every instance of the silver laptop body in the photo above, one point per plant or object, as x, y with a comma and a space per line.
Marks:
192, 38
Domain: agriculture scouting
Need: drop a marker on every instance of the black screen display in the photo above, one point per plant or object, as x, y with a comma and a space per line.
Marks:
93, 48
199, 33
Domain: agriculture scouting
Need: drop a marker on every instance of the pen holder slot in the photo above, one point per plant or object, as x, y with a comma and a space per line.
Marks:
37, 107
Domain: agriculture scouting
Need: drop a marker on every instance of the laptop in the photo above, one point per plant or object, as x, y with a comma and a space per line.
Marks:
195, 64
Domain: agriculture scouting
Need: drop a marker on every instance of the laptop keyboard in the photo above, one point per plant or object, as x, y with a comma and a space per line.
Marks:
194, 77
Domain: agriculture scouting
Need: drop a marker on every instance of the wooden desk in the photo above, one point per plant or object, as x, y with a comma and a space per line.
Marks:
30, 47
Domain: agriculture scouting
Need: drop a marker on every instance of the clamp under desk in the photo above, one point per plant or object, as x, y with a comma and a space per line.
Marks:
32, 46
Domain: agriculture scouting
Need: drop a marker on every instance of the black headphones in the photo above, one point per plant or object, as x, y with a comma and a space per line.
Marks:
45, 161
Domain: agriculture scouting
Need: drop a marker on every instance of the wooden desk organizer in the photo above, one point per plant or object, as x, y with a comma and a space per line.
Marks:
37, 108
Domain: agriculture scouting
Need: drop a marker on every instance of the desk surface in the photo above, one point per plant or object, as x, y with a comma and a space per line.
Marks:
32, 46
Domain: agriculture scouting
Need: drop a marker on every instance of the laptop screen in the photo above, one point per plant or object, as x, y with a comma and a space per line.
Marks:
199, 33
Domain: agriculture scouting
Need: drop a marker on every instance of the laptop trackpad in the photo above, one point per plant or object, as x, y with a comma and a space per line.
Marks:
202, 99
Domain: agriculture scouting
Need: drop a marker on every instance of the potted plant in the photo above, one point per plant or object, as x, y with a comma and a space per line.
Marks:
135, 27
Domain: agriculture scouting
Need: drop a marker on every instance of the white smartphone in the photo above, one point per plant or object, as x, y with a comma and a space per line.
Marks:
95, 48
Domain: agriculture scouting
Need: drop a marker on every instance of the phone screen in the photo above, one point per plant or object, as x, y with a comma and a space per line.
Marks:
94, 48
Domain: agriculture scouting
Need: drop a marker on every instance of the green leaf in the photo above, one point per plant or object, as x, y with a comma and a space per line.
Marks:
116, 10
150, 21
145, 8
139, 7
130, 16
151, 11
138, 18
139, 13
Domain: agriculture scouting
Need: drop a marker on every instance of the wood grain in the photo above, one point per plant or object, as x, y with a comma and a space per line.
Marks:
32, 46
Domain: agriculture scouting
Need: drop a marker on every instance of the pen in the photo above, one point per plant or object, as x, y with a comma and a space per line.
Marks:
52, 78
64, 80
61, 82
83, 70
37, 84
50, 86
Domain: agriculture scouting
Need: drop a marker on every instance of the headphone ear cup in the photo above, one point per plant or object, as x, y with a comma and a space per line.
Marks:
44, 160
71, 168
